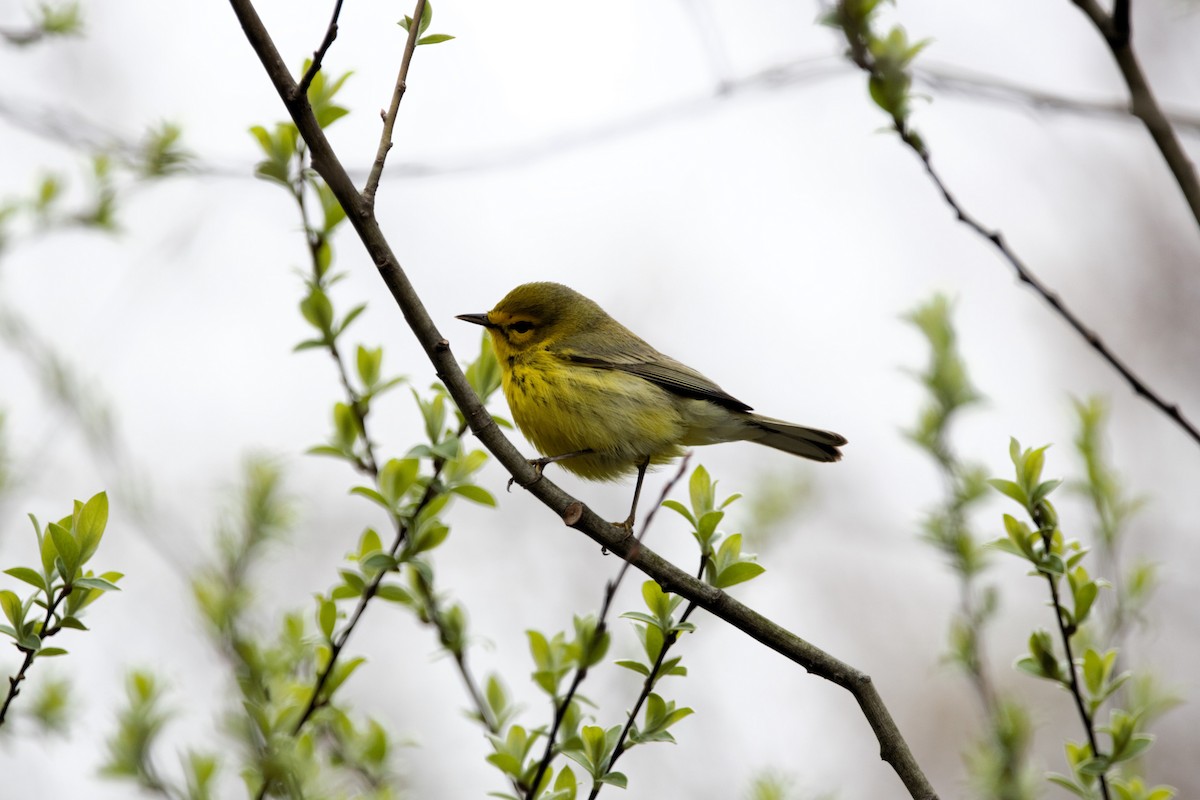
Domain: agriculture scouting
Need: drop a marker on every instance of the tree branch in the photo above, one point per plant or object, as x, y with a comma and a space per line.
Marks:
893, 748
860, 53
389, 119
956, 80
48, 630
1025, 275
610, 592
318, 56
1072, 675
1115, 29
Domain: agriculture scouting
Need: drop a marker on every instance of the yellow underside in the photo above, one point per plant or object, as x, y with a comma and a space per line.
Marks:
564, 408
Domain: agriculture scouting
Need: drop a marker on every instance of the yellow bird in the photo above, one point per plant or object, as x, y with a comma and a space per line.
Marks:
591, 395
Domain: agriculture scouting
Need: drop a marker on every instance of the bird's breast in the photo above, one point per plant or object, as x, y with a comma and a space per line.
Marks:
563, 407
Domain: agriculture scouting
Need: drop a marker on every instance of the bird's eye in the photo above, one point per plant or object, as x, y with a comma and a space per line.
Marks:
523, 326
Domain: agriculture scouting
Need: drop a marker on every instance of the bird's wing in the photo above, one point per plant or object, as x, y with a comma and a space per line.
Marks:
666, 372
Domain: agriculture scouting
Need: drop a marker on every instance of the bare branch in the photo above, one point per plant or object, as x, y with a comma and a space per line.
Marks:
1025, 275
860, 53
389, 119
956, 80
893, 749
319, 55
1142, 103
1121, 23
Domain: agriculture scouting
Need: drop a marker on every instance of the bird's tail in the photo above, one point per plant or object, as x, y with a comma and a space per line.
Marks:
810, 443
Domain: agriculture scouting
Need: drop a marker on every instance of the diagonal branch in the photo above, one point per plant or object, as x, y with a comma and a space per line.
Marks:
860, 54
319, 55
389, 119
893, 748
1116, 30
610, 592
1139, 386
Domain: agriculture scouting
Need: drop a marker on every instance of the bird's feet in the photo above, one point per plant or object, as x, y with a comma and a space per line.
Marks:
539, 466
626, 526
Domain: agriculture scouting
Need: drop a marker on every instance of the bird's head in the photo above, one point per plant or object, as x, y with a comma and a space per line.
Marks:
537, 315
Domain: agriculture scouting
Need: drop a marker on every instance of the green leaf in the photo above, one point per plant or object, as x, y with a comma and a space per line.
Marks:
680, 509
13, 608
738, 573
636, 666
701, 490
397, 477
46, 652
97, 583
369, 363
1069, 785
92, 521
28, 575
434, 38
617, 779
1010, 489
341, 671
350, 317
476, 494
326, 617
373, 496
426, 17
67, 548
394, 594
1031, 471
658, 601
379, 562
369, 542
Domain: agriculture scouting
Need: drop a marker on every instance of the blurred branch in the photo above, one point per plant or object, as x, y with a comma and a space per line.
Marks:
62, 20
1026, 276
887, 62
893, 748
77, 131
88, 410
990, 88
1115, 28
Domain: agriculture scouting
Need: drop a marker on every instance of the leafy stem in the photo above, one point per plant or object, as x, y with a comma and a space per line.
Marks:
1066, 630
648, 683
888, 64
601, 631
47, 630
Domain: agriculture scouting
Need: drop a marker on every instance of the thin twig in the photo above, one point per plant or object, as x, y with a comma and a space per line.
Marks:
77, 131
893, 748
319, 54
1026, 276
610, 591
1076, 692
648, 686
14, 682
1116, 30
365, 463
389, 119
860, 54
951, 79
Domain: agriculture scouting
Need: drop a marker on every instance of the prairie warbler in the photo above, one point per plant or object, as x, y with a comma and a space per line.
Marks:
591, 395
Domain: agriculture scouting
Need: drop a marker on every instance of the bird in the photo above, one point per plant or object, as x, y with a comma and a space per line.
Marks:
592, 396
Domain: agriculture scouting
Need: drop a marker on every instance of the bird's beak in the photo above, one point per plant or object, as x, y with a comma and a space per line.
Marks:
476, 319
